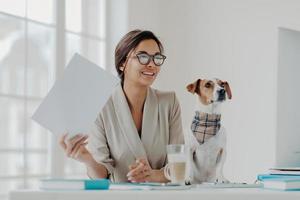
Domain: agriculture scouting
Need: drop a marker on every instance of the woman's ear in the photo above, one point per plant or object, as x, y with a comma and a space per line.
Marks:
121, 68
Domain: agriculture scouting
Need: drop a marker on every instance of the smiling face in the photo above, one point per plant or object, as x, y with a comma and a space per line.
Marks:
210, 91
134, 71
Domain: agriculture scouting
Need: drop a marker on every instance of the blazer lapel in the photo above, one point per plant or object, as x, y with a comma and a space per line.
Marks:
126, 123
150, 123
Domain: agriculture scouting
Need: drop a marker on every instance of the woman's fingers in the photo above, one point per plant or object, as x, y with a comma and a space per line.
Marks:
139, 173
62, 141
142, 175
142, 160
77, 146
80, 141
137, 162
74, 147
136, 170
72, 142
131, 167
77, 153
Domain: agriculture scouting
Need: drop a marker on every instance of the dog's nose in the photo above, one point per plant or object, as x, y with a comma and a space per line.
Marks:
222, 91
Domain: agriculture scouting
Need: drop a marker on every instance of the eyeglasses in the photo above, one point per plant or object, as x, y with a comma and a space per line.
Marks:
144, 58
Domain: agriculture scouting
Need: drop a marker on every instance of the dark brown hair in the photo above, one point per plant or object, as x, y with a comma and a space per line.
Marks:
129, 42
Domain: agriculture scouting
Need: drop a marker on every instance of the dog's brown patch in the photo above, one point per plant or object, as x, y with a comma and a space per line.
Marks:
225, 85
227, 89
204, 89
194, 87
207, 89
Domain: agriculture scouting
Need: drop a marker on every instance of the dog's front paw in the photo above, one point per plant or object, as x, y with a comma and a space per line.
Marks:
222, 180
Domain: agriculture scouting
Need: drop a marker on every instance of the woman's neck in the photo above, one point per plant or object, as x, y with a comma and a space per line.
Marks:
135, 95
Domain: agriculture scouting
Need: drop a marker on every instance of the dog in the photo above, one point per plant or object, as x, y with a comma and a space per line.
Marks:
207, 138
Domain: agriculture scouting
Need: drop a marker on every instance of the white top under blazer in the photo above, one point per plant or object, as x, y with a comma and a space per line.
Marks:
114, 140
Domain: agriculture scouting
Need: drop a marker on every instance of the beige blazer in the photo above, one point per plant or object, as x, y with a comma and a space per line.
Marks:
114, 140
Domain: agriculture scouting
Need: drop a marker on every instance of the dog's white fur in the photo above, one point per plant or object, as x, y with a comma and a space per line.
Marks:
206, 160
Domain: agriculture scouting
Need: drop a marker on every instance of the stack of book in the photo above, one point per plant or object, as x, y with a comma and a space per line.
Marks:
74, 184
104, 184
285, 171
148, 186
281, 179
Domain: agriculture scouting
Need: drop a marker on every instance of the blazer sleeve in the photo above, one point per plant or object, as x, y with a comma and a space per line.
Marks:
98, 145
175, 123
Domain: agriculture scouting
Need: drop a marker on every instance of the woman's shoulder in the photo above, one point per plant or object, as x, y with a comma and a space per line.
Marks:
108, 105
165, 97
163, 94
105, 111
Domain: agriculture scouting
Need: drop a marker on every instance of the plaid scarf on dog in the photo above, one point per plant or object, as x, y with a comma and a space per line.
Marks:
205, 126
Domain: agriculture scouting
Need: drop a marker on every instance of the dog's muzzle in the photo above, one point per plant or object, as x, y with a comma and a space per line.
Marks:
222, 95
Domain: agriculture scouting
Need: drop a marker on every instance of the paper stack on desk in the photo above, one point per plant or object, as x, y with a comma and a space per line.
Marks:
285, 171
287, 178
73, 103
227, 185
147, 186
74, 184
284, 183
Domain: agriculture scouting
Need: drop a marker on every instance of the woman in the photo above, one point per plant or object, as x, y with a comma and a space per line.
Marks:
129, 138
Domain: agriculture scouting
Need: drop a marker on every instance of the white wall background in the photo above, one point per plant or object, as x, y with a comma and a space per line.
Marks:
234, 40
288, 113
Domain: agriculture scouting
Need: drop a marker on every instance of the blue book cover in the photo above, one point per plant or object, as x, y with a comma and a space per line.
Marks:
96, 184
262, 177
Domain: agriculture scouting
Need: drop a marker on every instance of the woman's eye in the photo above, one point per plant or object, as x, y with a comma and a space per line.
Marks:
143, 56
158, 57
207, 85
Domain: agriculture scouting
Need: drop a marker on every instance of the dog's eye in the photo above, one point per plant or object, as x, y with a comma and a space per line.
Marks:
208, 85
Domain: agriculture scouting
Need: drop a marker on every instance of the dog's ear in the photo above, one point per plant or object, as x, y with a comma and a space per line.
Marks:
227, 89
194, 87
191, 87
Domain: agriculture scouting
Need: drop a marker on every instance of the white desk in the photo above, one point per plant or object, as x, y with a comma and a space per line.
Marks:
200, 194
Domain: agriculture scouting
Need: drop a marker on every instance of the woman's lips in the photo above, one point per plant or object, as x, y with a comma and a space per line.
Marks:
148, 73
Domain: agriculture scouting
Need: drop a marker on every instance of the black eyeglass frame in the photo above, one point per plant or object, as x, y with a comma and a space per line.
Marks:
150, 57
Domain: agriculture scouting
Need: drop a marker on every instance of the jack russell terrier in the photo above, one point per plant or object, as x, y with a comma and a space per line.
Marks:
207, 139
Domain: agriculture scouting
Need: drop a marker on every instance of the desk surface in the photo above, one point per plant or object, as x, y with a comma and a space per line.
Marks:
211, 194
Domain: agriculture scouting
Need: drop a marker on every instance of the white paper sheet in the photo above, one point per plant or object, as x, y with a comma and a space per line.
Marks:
147, 186
75, 100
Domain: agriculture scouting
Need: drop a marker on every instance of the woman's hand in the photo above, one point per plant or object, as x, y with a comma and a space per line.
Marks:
75, 147
141, 171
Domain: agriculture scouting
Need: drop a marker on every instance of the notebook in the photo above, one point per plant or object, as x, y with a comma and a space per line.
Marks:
76, 98
285, 171
147, 186
228, 185
74, 184
282, 184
